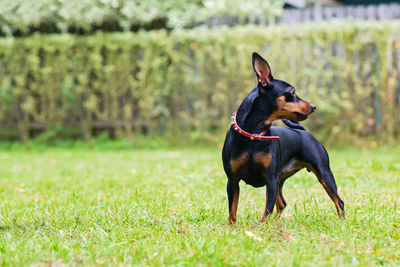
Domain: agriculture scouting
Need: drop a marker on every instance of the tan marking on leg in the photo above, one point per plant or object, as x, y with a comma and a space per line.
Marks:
333, 197
235, 202
280, 202
330, 193
263, 159
238, 162
265, 209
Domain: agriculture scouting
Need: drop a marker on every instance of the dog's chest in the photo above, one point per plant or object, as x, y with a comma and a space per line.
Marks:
253, 168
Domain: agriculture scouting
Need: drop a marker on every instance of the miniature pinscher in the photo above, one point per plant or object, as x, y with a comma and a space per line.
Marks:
261, 154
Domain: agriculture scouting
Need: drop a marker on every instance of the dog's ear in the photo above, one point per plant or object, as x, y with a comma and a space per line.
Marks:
262, 70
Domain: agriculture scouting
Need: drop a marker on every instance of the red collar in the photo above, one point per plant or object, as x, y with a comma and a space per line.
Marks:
260, 136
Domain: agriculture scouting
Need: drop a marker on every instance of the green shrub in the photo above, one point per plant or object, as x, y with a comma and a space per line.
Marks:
188, 82
21, 17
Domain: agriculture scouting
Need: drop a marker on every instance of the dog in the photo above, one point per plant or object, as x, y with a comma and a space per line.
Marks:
265, 155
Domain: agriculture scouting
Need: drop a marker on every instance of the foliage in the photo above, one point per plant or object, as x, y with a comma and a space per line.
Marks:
96, 207
21, 16
187, 83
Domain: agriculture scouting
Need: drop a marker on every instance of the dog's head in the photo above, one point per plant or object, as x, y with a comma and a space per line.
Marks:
277, 96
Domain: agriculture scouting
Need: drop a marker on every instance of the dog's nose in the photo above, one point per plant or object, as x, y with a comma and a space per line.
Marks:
312, 107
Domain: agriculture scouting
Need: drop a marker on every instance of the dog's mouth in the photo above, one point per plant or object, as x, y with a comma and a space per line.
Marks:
300, 117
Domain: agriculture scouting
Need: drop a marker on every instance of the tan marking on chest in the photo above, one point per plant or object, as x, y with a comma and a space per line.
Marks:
263, 159
239, 162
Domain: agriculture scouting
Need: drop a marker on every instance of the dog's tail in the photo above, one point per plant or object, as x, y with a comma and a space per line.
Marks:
293, 124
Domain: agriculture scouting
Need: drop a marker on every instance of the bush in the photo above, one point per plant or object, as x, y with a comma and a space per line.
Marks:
188, 82
21, 17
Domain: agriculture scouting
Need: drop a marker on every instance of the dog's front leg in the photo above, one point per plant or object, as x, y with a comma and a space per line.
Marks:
233, 190
271, 195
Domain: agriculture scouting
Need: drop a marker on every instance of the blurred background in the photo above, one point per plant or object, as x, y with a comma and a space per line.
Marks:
175, 70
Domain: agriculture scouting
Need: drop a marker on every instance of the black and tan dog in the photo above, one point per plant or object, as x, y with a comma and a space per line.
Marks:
258, 160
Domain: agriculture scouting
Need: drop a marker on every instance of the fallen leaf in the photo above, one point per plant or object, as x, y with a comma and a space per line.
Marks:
253, 236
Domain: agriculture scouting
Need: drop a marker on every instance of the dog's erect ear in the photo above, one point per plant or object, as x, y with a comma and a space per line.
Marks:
262, 70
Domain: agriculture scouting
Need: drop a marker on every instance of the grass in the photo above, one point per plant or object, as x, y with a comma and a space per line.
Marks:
143, 207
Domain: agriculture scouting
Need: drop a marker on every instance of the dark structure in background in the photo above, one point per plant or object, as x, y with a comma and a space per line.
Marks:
317, 10
296, 11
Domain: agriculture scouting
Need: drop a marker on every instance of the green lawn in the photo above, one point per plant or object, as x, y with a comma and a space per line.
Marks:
143, 207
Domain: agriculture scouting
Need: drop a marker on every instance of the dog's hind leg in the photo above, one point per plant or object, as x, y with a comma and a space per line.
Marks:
325, 177
292, 167
280, 200
317, 161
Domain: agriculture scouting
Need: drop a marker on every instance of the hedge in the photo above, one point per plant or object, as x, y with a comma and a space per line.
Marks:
189, 82
21, 17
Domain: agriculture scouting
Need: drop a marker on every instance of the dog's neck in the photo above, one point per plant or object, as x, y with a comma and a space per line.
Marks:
256, 121
253, 113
